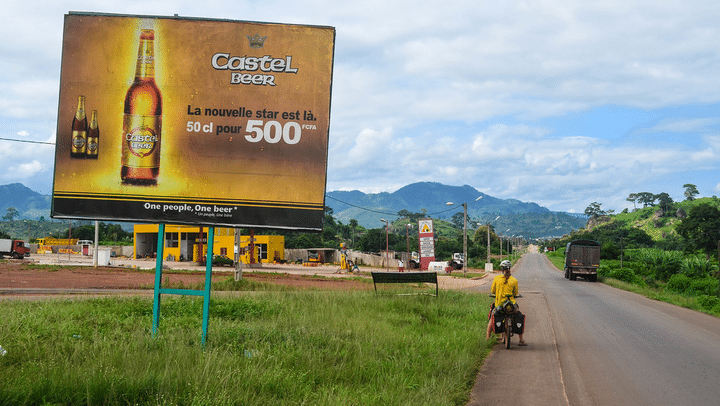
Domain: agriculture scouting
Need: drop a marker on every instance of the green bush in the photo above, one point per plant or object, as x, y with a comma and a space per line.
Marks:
709, 302
679, 283
626, 275
663, 264
705, 286
603, 271
695, 267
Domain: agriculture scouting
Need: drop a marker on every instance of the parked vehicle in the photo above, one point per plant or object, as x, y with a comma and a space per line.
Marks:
582, 258
14, 248
457, 261
414, 262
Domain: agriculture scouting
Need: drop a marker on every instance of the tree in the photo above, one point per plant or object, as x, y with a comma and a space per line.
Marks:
701, 229
412, 217
633, 198
11, 214
646, 199
665, 202
690, 191
458, 220
480, 240
594, 210
353, 224
374, 240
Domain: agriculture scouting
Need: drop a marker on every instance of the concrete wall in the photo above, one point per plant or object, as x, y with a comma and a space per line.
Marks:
359, 258
115, 250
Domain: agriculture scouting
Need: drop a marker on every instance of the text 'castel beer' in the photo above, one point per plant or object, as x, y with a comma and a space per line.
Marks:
78, 145
93, 137
142, 121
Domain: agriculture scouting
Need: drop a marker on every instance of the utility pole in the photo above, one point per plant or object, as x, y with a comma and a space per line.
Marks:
387, 248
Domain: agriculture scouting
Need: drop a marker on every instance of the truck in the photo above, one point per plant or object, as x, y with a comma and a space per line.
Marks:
14, 248
457, 261
582, 258
414, 262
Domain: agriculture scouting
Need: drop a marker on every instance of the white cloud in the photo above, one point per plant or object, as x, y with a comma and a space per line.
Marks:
478, 93
23, 170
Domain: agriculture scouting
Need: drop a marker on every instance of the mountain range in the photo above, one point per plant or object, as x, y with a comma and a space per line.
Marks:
507, 216
28, 203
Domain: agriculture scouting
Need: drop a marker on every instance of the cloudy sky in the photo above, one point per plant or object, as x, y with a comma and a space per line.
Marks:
561, 103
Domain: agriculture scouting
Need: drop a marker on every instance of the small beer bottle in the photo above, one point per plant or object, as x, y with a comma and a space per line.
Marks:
93, 137
78, 145
142, 120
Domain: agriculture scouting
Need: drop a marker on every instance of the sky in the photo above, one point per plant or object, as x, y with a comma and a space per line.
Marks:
561, 103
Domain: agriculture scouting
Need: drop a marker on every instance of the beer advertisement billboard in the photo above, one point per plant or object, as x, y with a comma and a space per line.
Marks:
193, 121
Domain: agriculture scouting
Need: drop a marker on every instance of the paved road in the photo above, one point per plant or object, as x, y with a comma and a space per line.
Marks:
590, 344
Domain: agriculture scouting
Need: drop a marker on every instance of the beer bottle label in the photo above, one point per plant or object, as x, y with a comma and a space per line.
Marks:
92, 147
141, 141
78, 142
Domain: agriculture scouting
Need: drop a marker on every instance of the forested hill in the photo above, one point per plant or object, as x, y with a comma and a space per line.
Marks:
508, 216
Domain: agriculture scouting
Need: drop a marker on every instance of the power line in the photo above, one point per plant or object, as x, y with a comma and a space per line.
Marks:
362, 208
28, 141
382, 212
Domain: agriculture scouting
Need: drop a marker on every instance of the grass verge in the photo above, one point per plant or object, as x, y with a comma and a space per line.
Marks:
319, 348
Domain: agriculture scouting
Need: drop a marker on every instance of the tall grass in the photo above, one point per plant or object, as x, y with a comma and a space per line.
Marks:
319, 348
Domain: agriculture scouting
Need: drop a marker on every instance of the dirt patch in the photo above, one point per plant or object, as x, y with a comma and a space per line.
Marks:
16, 275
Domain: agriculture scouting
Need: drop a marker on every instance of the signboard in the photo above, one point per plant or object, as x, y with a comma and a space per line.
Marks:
426, 237
193, 121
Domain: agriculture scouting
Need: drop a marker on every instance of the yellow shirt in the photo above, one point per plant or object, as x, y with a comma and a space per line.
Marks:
500, 288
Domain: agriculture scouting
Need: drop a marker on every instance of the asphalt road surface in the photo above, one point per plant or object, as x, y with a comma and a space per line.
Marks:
590, 344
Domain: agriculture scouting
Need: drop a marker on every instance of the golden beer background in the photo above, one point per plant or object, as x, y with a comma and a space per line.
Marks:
99, 61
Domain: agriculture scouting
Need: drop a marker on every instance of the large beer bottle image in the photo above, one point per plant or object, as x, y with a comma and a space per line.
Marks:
142, 121
93, 137
78, 144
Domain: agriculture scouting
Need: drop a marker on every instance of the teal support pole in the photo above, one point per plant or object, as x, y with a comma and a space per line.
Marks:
204, 293
158, 278
208, 283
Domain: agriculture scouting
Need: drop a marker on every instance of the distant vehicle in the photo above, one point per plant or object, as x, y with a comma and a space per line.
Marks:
85, 242
414, 262
222, 260
14, 248
457, 261
582, 258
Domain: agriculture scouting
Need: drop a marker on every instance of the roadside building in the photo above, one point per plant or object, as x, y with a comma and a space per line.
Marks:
188, 243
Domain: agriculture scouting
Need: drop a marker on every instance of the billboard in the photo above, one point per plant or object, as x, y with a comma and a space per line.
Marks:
193, 121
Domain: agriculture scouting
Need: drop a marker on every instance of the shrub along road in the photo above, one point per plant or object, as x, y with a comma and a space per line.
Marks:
590, 344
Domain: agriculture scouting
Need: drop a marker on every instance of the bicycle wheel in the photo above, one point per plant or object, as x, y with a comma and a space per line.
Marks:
507, 333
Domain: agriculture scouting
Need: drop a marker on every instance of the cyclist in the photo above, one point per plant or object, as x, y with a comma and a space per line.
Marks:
502, 285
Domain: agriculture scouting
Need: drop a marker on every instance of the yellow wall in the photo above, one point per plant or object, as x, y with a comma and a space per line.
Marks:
272, 243
223, 242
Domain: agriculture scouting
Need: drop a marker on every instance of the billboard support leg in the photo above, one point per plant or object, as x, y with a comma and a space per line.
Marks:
208, 283
158, 278
159, 290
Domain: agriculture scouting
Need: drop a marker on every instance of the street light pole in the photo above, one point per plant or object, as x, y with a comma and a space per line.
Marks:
387, 261
407, 236
488, 253
465, 255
